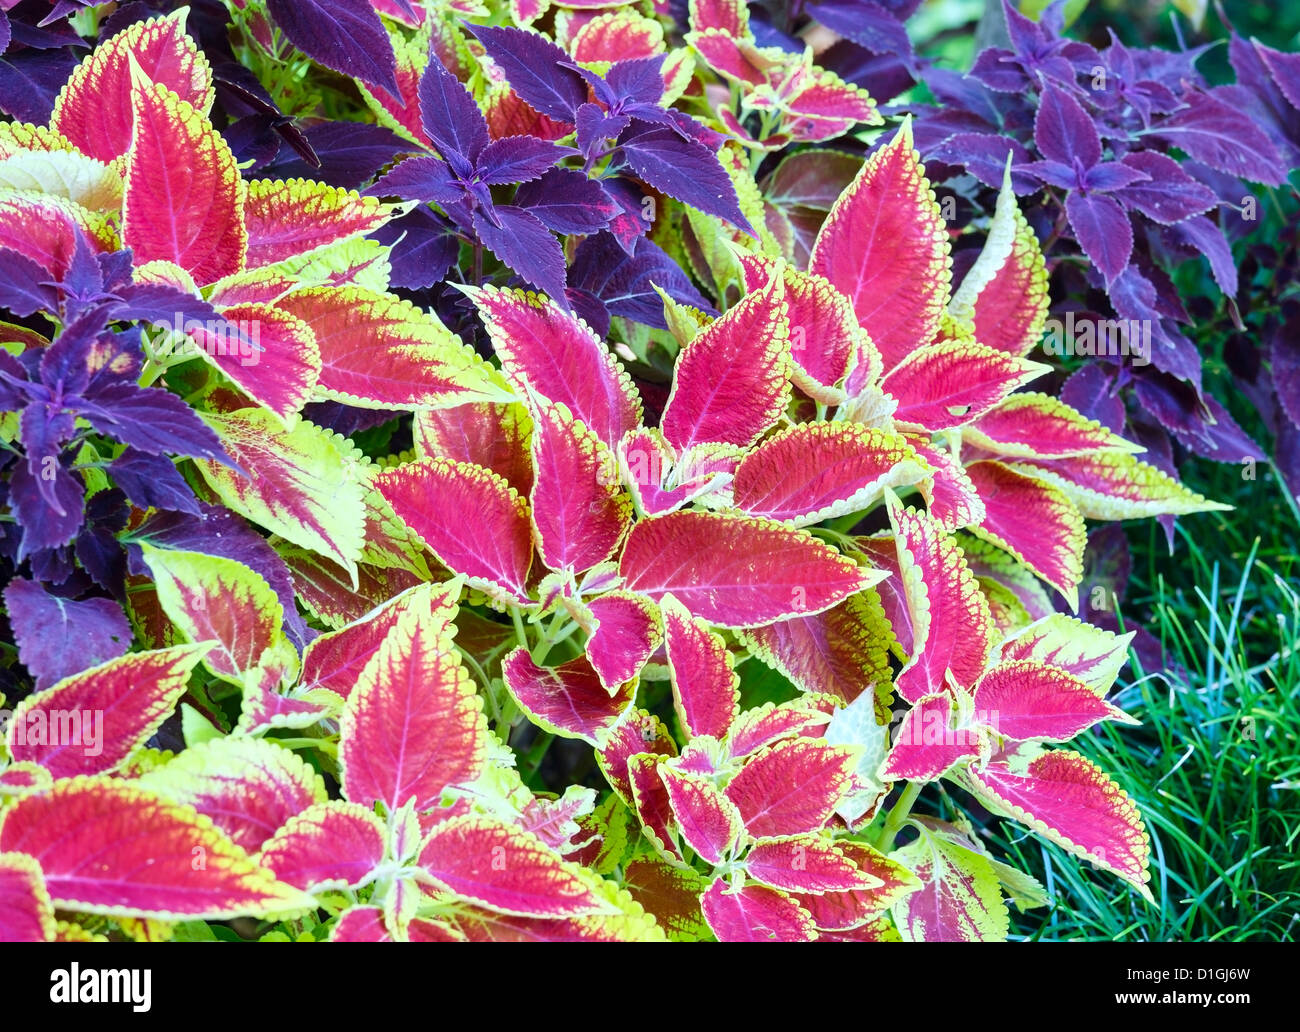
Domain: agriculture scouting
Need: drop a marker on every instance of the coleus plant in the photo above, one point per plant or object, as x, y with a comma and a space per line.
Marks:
504, 683
1129, 162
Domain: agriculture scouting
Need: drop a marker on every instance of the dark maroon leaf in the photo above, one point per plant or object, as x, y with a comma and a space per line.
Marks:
151, 419
683, 169
1103, 231
58, 637
1214, 132
350, 153
1202, 236
152, 482
527, 246
1089, 389
518, 159
625, 283
536, 69
345, 35
45, 526
451, 119
424, 247
420, 179
567, 202
1169, 194
24, 285
1063, 130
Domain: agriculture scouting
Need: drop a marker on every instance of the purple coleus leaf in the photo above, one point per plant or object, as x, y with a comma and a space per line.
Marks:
1214, 132
451, 120
24, 286
350, 153
567, 201
523, 242
624, 283
683, 169
152, 482
518, 159
345, 35
536, 69
57, 636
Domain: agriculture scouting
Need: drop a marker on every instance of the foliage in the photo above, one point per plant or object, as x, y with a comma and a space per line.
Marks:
452, 496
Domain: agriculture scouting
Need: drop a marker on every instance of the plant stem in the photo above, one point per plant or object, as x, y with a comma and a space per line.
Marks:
894, 822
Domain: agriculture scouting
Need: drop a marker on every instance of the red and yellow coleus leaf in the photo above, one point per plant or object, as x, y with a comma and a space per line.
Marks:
811, 472
26, 913
249, 786
806, 863
579, 509
91, 722
755, 913
792, 787
617, 36
289, 217
658, 483
332, 845
825, 338
184, 200
302, 483
1118, 486
1003, 298
635, 733
949, 495
734, 571
557, 355
1094, 655
494, 436
379, 351
505, 869
1069, 800
1024, 700
334, 660
1034, 521
841, 652
494, 549
732, 381
18, 138
624, 636
106, 847
885, 247
1029, 425
707, 820
931, 740
45, 229
952, 382
960, 898
331, 594
950, 624
70, 174
652, 805
1016, 597
765, 725
705, 685
280, 365
414, 723
731, 16
568, 700
841, 911
213, 599
94, 108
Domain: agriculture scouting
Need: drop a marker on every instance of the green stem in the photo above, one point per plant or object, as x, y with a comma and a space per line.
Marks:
899, 814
